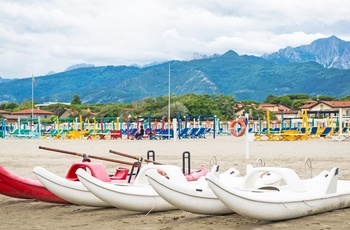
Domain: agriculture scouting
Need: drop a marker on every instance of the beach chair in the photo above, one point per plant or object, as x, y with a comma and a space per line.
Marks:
102, 135
276, 130
313, 132
326, 133
61, 134
132, 133
49, 134
263, 131
89, 134
184, 133
193, 132
65, 134
115, 134
164, 134
200, 133
335, 131
13, 134
302, 130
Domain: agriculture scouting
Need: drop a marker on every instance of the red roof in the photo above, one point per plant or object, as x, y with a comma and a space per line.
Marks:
307, 106
4, 111
333, 104
338, 104
279, 107
35, 111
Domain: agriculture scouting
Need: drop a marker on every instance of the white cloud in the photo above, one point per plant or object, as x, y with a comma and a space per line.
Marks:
37, 36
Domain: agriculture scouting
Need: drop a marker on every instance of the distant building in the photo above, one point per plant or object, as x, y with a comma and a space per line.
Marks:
71, 113
326, 108
4, 112
279, 110
27, 113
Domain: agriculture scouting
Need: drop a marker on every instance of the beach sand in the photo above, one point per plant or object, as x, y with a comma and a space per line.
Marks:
21, 156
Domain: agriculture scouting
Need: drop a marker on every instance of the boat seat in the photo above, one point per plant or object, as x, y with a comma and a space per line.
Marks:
172, 172
120, 174
197, 174
96, 169
325, 182
254, 177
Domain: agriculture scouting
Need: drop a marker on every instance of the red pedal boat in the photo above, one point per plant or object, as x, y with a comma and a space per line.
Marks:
17, 186
9, 191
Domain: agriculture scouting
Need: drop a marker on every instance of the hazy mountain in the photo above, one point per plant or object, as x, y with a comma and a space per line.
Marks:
3, 80
246, 77
77, 66
50, 73
330, 52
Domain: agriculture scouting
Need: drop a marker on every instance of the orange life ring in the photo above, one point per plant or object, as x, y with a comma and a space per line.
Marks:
241, 123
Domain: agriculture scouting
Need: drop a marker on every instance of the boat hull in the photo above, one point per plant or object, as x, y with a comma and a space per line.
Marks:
72, 191
139, 196
194, 197
279, 205
30, 188
9, 191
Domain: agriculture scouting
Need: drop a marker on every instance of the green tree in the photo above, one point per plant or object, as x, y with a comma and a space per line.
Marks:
76, 100
9, 106
26, 104
57, 109
111, 110
286, 101
297, 103
175, 108
270, 99
324, 98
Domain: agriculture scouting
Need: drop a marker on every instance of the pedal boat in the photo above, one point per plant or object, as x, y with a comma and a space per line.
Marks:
7, 190
293, 198
28, 187
138, 196
192, 196
72, 190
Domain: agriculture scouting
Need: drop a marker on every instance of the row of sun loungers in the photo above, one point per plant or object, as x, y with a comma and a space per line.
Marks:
160, 134
300, 134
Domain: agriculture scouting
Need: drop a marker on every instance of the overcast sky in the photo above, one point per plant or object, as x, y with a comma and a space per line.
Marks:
39, 36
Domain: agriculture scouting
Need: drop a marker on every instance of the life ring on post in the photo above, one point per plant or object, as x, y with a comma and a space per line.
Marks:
241, 122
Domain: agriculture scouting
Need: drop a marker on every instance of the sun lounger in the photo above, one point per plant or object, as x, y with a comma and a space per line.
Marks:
326, 133
313, 133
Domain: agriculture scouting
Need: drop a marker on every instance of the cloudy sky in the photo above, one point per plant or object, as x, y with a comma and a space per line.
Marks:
39, 36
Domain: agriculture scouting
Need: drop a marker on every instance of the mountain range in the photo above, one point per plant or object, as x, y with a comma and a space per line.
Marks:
320, 68
330, 52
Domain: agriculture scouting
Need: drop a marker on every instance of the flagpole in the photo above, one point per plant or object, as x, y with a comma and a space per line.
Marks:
169, 103
32, 96
31, 123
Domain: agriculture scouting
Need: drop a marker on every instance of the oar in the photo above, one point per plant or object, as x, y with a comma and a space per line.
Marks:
134, 157
85, 155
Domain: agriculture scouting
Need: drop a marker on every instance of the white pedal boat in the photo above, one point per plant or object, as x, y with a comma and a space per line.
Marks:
192, 196
292, 199
138, 196
70, 188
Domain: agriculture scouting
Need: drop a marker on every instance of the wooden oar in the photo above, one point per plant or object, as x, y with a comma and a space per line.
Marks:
85, 155
134, 157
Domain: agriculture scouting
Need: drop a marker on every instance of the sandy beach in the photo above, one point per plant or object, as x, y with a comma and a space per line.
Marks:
21, 156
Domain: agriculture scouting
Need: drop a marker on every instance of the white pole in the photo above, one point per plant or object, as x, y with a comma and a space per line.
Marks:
31, 128
32, 96
247, 138
340, 120
169, 104
175, 128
